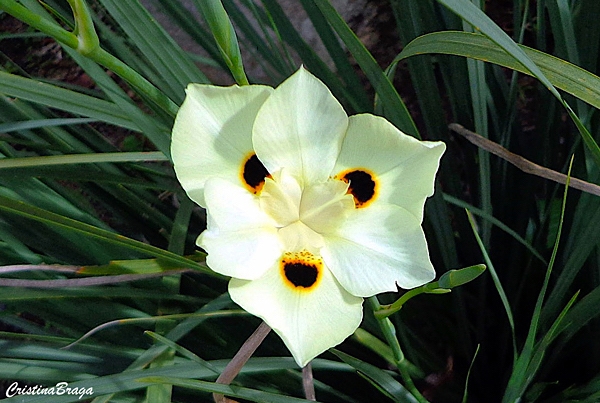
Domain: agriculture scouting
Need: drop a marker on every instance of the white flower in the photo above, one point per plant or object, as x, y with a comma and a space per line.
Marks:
309, 210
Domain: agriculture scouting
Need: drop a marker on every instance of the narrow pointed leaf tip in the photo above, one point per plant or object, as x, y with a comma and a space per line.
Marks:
308, 210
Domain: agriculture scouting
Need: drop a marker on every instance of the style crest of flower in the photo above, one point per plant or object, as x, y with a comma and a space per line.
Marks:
308, 210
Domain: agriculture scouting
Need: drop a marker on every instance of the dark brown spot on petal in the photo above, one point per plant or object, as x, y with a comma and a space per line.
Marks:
301, 270
362, 185
301, 275
253, 173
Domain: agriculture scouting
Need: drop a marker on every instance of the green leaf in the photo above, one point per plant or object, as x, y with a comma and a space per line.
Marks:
382, 379
309, 57
338, 54
531, 356
475, 211
66, 100
93, 158
136, 379
134, 266
36, 124
394, 108
56, 220
252, 395
564, 75
497, 283
168, 59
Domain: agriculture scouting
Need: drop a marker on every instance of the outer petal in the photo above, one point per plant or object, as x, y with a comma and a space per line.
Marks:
308, 322
300, 128
241, 240
404, 167
212, 134
377, 248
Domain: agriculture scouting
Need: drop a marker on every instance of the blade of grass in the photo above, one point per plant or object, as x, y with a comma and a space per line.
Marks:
529, 360
481, 22
81, 159
479, 105
136, 379
36, 124
412, 19
181, 18
37, 214
389, 385
466, 392
84, 174
69, 101
252, 395
497, 284
475, 211
155, 130
309, 57
394, 108
169, 60
181, 224
338, 55
153, 319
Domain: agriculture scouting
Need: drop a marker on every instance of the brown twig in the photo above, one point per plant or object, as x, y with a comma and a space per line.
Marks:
242, 356
308, 383
73, 282
523, 164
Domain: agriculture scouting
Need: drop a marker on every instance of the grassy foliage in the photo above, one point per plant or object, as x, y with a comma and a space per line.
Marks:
86, 187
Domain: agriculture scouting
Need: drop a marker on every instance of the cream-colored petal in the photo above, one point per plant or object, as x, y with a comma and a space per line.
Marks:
377, 248
309, 322
300, 128
212, 134
241, 240
404, 168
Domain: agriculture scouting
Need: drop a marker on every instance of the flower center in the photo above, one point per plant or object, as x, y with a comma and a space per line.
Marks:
303, 213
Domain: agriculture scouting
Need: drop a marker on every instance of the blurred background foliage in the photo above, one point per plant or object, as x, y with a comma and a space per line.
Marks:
86, 186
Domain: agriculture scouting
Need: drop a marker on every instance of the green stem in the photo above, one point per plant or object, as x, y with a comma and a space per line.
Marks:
38, 22
386, 310
389, 332
225, 37
85, 31
86, 42
128, 74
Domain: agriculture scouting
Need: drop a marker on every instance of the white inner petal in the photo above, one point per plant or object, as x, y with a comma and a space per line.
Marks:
280, 198
324, 205
304, 213
298, 236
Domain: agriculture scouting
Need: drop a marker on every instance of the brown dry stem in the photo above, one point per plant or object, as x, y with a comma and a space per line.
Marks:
242, 356
522, 163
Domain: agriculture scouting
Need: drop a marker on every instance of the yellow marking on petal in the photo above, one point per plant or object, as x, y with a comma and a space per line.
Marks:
363, 185
253, 173
301, 271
